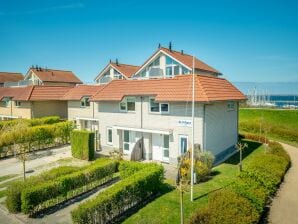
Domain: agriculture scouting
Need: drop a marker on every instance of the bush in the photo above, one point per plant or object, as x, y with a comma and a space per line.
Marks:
203, 165
276, 148
13, 192
120, 197
268, 170
128, 168
100, 171
226, 207
82, 144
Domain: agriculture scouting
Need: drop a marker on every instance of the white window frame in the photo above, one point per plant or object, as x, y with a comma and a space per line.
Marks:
17, 103
165, 149
109, 129
124, 101
180, 67
179, 143
84, 100
125, 150
159, 104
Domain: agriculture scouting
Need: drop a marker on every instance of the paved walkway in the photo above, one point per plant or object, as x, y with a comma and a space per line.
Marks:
284, 206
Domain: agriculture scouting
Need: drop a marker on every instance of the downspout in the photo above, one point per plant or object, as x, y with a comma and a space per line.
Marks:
142, 127
11, 108
204, 127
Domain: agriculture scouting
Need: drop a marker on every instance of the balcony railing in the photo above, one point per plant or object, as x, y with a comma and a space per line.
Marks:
105, 80
21, 83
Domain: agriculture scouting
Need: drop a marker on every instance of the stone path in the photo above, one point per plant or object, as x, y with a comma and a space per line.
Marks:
284, 207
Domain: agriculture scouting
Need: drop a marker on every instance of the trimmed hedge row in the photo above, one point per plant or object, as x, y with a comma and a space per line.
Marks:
244, 201
31, 122
128, 168
82, 144
120, 197
13, 192
43, 195
36, 137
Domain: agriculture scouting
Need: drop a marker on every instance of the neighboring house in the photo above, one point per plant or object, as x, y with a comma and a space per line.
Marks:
47, 77
158, 111
10, 77
167, 63
33, 101
80, 109
115, 71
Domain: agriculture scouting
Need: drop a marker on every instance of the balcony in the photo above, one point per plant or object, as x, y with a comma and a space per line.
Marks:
21, 83
105, 80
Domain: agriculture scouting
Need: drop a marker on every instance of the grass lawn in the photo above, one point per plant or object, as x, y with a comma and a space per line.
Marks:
2, 193
282, 124
166, 208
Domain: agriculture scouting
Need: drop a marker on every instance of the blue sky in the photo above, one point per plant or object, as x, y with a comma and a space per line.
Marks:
246, 40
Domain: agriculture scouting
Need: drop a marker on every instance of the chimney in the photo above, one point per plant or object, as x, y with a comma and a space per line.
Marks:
182, 52
110, 60
159, 46
36, 67
170, 46
117, 61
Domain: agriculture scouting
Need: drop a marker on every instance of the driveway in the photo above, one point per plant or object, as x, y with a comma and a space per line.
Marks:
284, 206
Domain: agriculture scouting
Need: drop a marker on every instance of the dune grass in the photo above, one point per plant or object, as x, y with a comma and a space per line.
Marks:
281, 125
166, 208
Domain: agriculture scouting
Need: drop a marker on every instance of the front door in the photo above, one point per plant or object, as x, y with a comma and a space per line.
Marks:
157, 152
183, 139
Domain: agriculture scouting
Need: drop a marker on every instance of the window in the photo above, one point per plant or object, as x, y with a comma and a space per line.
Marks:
128, 104
166, 143
183, 143
6, 101
231, 106
117, 75
17, 103
85, 102
174, 68
109, 136
158, 107
126, 140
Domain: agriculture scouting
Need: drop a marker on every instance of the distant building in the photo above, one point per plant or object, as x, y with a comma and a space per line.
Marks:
10, 77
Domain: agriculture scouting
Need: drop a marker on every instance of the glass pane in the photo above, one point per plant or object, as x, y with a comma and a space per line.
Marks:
166, 153
123, 106
126, 146
166, 141
87, 103
183, 145
169, 61
176, 70
169, 71
164, 107
131, 106
154, 107
110, 135
126, 136
185, 70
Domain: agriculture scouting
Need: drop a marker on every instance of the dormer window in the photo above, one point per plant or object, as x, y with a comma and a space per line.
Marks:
85, 102
156, 107
117, 75
6, 101
128, 104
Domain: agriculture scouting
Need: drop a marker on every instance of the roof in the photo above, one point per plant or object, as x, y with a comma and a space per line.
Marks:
124, 69
127, 70
51, 75
34, 93
10, 77
185, 59
178, 89
80, 91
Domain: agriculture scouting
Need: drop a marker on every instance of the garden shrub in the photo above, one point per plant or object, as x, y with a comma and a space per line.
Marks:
13, 191
101, 171
226, 207
120, 197
203, 165
82, 144
277, 149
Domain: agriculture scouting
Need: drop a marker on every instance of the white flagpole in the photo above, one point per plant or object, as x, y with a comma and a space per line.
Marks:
193, 130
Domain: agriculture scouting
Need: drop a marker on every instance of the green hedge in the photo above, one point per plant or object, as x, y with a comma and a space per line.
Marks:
13, 192
82, 144
252, 189
35, 198
31, 122
36, 137
128, 168
121, 196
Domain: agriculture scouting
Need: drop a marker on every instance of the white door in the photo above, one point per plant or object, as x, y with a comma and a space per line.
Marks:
157, 149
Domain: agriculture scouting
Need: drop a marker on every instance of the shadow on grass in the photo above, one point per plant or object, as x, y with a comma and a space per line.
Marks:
252, 145
165, 188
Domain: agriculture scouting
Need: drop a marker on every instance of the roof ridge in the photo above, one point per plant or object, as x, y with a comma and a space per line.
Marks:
13, 73
51, 69
124, 64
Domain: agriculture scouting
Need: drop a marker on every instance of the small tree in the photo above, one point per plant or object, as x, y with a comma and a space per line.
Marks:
240, 146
